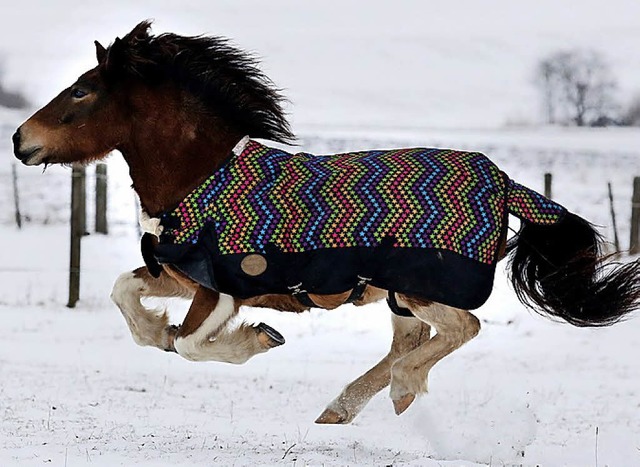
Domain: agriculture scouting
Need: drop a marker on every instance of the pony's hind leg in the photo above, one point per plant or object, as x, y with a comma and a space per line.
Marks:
205, 334
453, 328
148, 327
408, 334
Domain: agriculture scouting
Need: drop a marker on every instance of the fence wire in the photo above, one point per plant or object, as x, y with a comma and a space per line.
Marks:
580, 180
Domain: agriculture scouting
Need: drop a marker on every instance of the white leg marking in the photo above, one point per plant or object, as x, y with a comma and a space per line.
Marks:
454, 328
196, 346
146, 326
126, 295
126, 289
408, 334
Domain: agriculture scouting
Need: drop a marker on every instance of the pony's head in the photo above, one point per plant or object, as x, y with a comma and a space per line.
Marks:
84, 122
111, 104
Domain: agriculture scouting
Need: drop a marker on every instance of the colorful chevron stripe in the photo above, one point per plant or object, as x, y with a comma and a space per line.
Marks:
532, 206
422, 198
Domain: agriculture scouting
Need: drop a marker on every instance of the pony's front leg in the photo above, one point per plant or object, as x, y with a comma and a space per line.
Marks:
148, 327
205, 334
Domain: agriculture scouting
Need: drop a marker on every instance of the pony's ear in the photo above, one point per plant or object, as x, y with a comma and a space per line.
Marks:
114, 56
101, 52
123, 55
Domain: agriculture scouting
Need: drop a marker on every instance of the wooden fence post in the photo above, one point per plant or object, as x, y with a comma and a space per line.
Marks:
16, 197
82, 218
634, 244
101, 199
78, 224
547, 185
616, 240
138, 209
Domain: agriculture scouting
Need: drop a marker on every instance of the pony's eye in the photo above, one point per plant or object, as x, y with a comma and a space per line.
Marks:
78, 93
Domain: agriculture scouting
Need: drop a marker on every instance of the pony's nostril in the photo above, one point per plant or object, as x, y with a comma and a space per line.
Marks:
16, 137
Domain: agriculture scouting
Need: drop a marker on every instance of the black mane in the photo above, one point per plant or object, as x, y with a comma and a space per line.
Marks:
225, 79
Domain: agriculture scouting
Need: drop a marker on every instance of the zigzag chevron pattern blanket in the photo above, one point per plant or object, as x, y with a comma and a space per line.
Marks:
266, 201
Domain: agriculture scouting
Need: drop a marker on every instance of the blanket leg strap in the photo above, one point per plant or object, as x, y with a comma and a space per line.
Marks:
397, 309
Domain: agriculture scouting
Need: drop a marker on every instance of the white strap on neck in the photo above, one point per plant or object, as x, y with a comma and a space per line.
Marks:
150, 224
238, 148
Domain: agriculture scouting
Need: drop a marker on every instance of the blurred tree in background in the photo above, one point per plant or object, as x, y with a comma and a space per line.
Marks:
11, 99
577, 87
631, 115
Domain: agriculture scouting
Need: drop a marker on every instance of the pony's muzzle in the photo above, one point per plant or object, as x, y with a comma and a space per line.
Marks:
25, 154
16, 138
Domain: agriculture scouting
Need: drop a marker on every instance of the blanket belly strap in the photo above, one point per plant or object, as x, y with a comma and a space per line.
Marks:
304, 299
356, 293
302, 296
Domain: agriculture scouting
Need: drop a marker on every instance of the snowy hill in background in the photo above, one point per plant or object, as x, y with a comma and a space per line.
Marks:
375, 64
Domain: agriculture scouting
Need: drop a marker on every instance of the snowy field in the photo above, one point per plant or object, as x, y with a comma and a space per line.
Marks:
76, 391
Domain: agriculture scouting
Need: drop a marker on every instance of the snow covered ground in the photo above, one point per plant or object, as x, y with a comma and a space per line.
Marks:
74, 388
76, 391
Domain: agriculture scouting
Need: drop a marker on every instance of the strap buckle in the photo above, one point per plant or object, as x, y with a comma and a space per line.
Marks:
301, 294
358, 291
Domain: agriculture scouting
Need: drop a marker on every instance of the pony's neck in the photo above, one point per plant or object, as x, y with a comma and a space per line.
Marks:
169, 157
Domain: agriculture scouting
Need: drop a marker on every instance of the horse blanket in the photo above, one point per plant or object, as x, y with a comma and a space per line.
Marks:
423, 222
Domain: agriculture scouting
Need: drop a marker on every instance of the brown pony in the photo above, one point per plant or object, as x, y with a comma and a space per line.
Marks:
175, 107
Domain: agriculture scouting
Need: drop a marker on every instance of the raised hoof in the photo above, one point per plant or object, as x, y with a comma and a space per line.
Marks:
329, 417
268, 336
403, 403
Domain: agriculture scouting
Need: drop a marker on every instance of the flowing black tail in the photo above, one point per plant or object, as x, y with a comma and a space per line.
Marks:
558, 270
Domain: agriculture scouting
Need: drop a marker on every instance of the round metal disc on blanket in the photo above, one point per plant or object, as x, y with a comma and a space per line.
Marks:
253, 265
